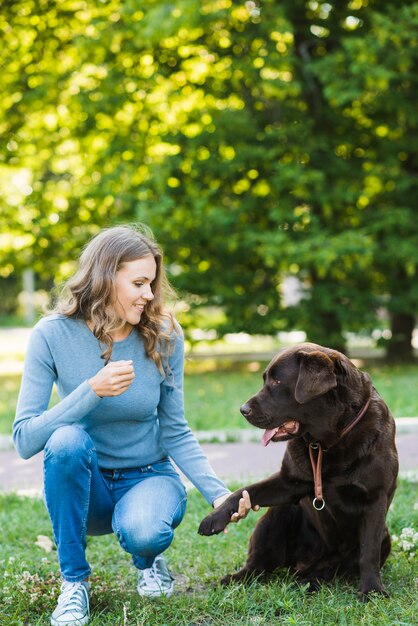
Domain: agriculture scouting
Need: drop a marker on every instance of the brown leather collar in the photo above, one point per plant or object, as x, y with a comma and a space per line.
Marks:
354, 421
318, 502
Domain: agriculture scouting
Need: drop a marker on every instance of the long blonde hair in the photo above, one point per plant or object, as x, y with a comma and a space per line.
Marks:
89, 293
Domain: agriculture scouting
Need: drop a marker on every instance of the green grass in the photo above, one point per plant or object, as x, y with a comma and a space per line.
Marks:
30, 581
8, 397
397, 384
213, 398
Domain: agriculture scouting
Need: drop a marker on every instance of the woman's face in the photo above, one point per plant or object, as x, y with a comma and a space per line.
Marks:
133, 288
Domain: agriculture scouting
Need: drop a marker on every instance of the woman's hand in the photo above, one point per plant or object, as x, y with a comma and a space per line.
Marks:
113, 379
244, 507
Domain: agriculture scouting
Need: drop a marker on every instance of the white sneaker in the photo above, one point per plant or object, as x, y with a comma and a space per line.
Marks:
73, 605
155, 581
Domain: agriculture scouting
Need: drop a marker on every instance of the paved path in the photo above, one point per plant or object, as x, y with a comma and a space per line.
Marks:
231, 461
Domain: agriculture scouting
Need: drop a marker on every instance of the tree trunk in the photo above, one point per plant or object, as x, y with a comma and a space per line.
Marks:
400, 345
323, 322
28, 279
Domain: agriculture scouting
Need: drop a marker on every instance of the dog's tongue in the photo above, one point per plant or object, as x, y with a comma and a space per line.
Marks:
290, 427
268, 436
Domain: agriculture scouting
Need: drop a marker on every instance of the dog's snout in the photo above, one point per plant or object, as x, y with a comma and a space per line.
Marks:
246, 410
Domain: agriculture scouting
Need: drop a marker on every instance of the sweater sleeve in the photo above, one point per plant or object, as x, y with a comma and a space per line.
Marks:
34, 422
176, 435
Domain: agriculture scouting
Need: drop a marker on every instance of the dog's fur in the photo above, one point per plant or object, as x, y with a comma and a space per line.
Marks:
317, 392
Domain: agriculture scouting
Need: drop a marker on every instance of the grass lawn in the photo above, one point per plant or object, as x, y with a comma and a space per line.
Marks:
30, 582
213, 398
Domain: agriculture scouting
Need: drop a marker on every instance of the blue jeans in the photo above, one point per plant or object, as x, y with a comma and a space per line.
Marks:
142, 506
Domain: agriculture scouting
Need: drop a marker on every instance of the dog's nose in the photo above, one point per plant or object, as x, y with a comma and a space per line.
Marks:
246, 410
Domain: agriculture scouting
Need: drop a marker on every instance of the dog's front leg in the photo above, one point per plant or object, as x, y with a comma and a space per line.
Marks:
371, 532
276, 490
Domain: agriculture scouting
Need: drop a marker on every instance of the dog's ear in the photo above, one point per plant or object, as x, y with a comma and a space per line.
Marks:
316, 376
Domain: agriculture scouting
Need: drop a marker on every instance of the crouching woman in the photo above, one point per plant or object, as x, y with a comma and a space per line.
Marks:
115, 354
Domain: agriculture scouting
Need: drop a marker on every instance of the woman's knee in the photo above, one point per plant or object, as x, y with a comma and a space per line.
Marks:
67, 443
138, 539
145, 518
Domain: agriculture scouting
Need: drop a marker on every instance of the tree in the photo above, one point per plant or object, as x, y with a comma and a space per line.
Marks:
259, 140
268, 173
381, 69
304, 162
49, 208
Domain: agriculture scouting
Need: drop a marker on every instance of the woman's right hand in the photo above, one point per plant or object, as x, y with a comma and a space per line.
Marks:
113, 379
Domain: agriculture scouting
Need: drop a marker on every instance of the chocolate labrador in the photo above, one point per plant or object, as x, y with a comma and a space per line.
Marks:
338, 476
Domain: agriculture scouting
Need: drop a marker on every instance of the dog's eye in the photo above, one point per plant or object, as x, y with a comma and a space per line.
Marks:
275, 381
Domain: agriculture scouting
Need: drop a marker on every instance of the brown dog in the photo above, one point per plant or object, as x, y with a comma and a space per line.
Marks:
338, 477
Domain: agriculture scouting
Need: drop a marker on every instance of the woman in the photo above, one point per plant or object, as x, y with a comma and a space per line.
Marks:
116, 356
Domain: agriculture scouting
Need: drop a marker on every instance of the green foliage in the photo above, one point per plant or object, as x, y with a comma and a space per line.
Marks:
380, 103
258, 140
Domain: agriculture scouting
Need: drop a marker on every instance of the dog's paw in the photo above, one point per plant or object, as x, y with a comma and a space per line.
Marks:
238, 577
213, 524
366, 596
312, 586
242, 576
371, 584
228, 579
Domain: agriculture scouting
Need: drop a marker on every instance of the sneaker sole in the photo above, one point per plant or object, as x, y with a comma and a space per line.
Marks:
76, 622
155, 594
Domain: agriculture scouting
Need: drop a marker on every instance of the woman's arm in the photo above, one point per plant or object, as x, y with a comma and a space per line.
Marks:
176, 436
34, 422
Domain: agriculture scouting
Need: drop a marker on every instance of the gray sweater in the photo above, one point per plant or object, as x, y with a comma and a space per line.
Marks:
139, 427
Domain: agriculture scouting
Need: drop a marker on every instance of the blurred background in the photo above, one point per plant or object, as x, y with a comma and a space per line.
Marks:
271, 147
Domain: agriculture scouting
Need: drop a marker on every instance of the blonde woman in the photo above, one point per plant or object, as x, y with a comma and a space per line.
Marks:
115, 354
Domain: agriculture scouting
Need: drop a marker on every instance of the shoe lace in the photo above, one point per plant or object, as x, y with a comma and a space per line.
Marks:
151, 574
72, 597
